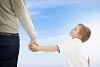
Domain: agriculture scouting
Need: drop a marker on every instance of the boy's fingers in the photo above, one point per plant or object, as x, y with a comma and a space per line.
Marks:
29, 46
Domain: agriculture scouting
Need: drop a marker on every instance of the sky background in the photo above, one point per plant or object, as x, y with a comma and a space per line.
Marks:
53, 20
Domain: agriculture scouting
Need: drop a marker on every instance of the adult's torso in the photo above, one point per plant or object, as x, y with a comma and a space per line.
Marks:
8, 19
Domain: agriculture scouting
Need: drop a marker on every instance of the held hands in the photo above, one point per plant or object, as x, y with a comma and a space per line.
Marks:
34, 47
32, 44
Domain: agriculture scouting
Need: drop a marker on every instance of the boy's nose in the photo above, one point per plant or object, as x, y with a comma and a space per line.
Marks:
71, 30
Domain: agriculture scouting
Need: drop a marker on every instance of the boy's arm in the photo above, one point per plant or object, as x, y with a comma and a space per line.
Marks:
45, 48
88, 62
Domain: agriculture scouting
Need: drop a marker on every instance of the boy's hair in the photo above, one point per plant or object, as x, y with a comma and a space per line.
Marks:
85, 32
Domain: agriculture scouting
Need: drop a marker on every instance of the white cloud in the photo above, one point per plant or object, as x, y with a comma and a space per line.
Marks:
45, 3
54, 40
49, 3
34, 13
37, 5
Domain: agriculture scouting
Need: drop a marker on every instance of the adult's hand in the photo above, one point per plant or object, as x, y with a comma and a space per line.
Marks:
35, 42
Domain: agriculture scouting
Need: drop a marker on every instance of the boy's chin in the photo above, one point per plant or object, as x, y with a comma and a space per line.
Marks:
70, 35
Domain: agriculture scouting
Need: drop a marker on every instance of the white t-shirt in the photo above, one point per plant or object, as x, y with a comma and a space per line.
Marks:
74, 53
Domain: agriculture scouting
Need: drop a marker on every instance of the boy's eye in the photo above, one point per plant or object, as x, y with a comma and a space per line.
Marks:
75, 29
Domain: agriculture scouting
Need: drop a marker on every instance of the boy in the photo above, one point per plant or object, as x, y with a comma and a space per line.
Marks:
73, 51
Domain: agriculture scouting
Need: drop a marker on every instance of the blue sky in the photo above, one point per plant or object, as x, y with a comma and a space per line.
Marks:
53, 20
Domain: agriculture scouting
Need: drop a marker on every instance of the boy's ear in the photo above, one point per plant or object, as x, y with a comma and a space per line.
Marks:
80, 36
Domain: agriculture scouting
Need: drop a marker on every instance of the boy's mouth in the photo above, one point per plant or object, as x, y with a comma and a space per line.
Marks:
71, 31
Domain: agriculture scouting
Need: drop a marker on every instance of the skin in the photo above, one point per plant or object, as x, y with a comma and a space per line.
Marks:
75, 32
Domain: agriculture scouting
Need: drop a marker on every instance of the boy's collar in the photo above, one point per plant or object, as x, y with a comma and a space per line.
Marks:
76, 39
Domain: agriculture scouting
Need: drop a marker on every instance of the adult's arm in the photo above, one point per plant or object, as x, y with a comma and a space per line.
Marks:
23, 15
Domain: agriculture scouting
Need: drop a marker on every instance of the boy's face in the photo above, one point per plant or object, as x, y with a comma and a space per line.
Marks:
75, 32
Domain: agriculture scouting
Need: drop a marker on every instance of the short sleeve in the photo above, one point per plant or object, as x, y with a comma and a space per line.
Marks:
64, 48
